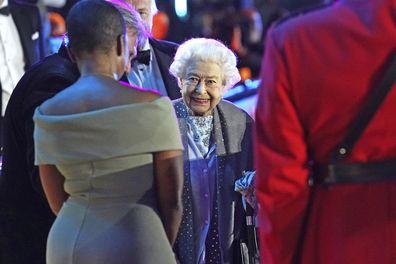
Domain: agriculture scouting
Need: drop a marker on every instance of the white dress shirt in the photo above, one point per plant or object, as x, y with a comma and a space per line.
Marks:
147, 76
11, 57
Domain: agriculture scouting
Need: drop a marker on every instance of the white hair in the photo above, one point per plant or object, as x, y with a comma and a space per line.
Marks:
206, 50
153, 8
132, 20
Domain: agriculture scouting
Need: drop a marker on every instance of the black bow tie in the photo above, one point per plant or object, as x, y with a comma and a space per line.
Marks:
5, 11
143, 57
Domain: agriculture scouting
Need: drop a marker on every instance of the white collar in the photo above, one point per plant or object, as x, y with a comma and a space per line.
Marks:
146, 45
4, 4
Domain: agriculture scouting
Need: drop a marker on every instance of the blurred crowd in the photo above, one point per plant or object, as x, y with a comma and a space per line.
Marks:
241, 24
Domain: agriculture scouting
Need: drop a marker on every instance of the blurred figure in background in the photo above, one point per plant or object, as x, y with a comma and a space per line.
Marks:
160, 25
62, 10
58, 30
21, 45
319, 70
247, 41
44, 6
241, 29
270, 11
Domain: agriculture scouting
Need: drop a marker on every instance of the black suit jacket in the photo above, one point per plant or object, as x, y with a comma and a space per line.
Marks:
164, 52
28, 22
25, 216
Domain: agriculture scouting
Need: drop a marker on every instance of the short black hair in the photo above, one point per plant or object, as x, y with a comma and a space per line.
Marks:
93, 24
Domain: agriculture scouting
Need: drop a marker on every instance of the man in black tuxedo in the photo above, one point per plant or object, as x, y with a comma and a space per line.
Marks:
25, 217
150, 69
21, 44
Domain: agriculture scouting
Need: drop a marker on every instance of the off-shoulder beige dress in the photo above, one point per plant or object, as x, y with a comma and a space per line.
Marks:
106, 158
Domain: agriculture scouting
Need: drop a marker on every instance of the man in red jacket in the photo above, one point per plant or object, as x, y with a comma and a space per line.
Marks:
318, 71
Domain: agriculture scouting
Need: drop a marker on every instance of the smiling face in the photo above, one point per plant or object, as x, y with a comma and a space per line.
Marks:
202, 87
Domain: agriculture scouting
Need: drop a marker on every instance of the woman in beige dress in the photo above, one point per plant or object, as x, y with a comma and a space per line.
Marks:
109, 154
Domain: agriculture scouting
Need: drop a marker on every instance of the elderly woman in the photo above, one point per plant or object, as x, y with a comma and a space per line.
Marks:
217, 141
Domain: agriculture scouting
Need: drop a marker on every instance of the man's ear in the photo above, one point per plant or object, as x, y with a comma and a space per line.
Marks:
120, 44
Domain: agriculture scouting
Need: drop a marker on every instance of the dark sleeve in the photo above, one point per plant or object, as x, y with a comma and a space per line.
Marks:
43, 47
247, 157
28, 21
247, 145
38, 26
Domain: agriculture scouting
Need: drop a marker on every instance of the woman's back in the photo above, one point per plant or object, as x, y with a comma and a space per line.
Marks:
106, 158
97, 144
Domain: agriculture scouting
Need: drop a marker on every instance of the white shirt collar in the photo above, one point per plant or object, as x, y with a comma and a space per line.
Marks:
5, 3
146, 45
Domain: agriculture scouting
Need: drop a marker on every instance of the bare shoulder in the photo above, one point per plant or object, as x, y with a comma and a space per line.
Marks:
149, 96
140, 95
58, 103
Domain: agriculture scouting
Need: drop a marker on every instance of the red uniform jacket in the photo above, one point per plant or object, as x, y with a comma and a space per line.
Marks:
317, 73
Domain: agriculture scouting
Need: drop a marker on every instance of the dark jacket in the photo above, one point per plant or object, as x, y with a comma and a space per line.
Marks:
164, 53
25, 217
28, 22
234, 150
